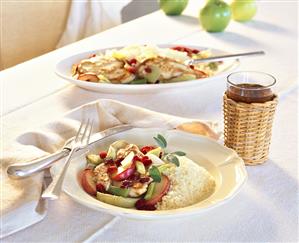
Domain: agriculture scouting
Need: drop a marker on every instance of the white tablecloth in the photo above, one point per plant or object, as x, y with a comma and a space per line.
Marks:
267, 207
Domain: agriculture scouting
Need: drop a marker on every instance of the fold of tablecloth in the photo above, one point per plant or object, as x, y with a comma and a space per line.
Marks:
20, 202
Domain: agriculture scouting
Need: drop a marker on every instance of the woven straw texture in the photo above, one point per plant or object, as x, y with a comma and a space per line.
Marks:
247, 128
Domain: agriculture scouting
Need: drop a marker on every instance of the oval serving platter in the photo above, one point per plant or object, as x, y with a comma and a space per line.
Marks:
63, 70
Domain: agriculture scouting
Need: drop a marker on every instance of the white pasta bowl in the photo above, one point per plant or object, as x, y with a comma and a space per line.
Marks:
64, 66
223, 163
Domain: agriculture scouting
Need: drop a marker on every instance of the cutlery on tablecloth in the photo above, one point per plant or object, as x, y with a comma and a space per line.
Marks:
81, 141
220, 58
22, 170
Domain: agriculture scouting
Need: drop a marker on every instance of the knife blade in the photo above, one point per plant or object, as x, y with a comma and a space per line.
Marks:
23, 170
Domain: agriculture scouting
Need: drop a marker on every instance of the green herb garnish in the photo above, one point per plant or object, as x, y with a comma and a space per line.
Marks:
173, 159
179, 153
213, 66
161, 141
155, 173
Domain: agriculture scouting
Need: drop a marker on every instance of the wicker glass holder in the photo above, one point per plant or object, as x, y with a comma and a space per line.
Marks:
247, 128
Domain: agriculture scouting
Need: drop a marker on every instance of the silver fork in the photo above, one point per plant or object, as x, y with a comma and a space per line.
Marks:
82, 139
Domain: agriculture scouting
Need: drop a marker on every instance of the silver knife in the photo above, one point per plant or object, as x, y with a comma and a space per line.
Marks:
23, 170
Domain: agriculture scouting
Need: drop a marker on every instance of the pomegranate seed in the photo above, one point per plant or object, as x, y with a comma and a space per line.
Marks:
177, 48
144, 179
100, 187
132, 61
132, 69
112, 169
140, 205
118, 162
93, 55
145, 149
109, 162
134, 177
103, 154
146, 161
191, 66
126, 184
148, 70
185, 49
136, 158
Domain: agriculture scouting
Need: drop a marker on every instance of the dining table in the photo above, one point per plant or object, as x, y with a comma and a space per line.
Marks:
266, 207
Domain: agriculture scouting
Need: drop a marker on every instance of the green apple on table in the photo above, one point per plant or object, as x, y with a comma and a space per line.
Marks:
173, 7
243, 10
215, 16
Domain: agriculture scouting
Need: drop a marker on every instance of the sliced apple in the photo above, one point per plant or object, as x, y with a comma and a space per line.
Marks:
123, 174
183, 77
118, 191
154, 74
155, 151
140, 167
160, 190
88, 183
155, 159
166, 166
117, 200
128, 160
94, 159
119, 144
150, 191
114, 147
111, 154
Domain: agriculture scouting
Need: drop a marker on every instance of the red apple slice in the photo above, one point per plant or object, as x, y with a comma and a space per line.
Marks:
161, 189
124, 174
88, 183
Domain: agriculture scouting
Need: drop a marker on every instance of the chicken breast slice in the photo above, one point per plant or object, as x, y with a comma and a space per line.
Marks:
113, 69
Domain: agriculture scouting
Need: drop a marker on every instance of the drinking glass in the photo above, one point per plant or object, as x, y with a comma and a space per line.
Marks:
249, 105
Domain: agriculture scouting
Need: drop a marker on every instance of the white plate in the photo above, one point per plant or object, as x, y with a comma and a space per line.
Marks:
224, 164
63, 69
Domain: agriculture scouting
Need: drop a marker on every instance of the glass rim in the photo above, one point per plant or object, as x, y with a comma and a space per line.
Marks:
258, 72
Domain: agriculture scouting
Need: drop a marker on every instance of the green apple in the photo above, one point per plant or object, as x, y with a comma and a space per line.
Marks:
215, 16
243, 10
173, 7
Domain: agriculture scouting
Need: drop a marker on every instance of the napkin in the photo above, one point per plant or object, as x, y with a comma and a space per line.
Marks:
21, 205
